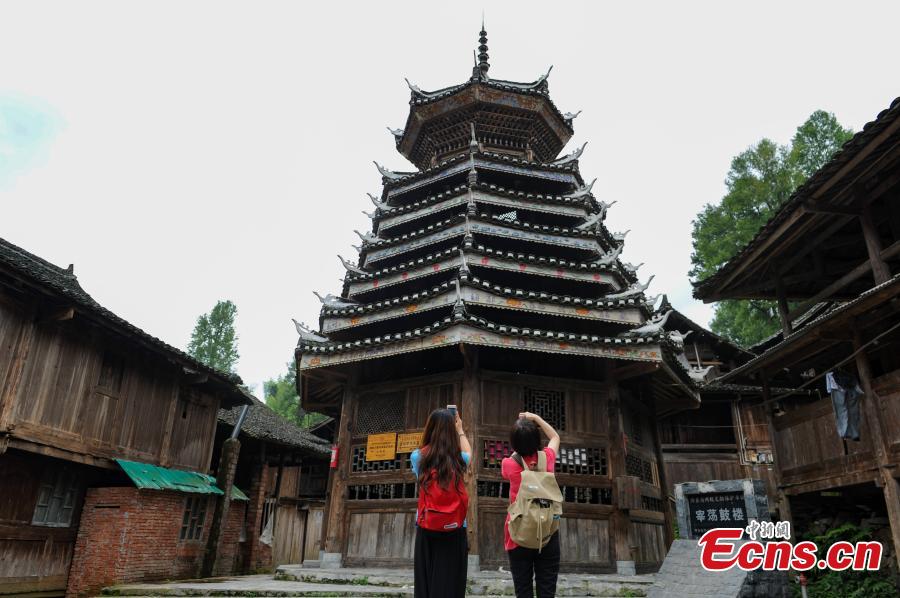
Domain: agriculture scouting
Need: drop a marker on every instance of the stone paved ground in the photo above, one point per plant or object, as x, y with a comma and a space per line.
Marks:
297, 581
682, 576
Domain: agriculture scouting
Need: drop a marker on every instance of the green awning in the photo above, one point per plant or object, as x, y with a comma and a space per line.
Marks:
153, 477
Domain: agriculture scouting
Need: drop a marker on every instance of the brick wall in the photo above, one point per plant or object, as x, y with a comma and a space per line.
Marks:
130, 535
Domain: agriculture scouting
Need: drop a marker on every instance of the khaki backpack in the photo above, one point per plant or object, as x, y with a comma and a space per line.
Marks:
534, 515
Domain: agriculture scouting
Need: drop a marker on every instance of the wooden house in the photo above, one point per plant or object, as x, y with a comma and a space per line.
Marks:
830, 258
82, 391
490, 281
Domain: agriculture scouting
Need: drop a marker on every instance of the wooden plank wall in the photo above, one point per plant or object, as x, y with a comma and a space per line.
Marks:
379, 529
75, 390
33, 558
810, 449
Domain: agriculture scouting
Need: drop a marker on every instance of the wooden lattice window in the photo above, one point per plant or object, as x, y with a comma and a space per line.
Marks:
193, 518
650, 503
581, 461
494, 453
549, 404
381, 413
358, 463
381, 491
587, 496
492, 489
57, 495
639, 468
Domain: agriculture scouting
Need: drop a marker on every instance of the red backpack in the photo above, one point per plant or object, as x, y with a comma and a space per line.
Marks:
442, 509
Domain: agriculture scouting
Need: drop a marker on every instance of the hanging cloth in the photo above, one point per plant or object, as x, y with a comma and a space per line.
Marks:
845, 393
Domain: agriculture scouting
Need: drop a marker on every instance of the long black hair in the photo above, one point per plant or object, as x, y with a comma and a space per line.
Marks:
440, 450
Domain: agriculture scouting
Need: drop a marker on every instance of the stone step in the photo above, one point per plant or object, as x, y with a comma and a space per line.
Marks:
483, 583
294, 580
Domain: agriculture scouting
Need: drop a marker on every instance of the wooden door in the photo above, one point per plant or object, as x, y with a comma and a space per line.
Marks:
314, 519
287, 543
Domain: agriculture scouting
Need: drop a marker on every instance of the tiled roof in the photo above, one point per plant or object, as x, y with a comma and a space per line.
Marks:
843, 157
64, 283
262, 423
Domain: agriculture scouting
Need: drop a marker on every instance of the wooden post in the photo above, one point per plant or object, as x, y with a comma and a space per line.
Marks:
620, 520
470, 407
880, 269
783, 311
335, 541
871, 409
663, 481
228, 459
784, 505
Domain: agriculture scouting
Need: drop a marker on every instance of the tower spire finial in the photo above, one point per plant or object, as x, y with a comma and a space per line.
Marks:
483, 64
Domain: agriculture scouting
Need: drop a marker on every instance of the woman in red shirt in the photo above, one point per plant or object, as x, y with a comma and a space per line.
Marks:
528, 565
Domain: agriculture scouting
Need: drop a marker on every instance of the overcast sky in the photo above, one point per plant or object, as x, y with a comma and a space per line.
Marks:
184, 152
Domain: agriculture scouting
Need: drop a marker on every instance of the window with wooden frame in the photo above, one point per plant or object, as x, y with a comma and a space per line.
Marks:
111, 373
194, 517
549, 404
57, 496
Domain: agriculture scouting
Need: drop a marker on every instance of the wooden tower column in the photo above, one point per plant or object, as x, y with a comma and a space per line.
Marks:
620, 520
470, 407
336, 524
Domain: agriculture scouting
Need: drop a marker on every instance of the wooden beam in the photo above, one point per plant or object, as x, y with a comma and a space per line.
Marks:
782, 304
880, 269
633, 370
872, 411
813, 208
843, 281
62, 314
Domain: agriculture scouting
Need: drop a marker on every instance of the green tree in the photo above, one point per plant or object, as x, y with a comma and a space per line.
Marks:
214, 340
760, 180
281, 396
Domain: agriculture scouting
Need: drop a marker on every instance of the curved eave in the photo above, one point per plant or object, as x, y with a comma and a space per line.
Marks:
477, 331
484, 257
482, 293
430, 105
567, 173
459, 196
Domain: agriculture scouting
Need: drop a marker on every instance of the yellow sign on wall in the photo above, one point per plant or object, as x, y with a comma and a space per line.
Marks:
407, 443
381, 447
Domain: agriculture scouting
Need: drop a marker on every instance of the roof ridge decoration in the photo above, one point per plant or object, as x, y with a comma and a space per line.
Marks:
352, 268
330, 300
653, 326
635, 289
595, 220
390, 174
572, 157
306, 333
483, 65
583, 190
379, 204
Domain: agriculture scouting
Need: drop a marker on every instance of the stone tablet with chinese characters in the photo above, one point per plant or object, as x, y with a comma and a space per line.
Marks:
702, 506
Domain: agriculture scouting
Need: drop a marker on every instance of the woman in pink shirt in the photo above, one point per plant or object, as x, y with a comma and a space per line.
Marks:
529, 566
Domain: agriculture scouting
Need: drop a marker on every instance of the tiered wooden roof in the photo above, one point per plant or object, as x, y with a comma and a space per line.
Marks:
496, 241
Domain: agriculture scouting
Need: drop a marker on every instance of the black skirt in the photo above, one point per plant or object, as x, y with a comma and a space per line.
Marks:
441, 559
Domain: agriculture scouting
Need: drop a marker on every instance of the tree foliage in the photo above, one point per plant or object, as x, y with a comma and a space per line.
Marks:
760, 180
281, 396
214, 340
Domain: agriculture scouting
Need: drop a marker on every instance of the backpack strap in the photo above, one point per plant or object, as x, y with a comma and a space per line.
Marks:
518, 459
542, 461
